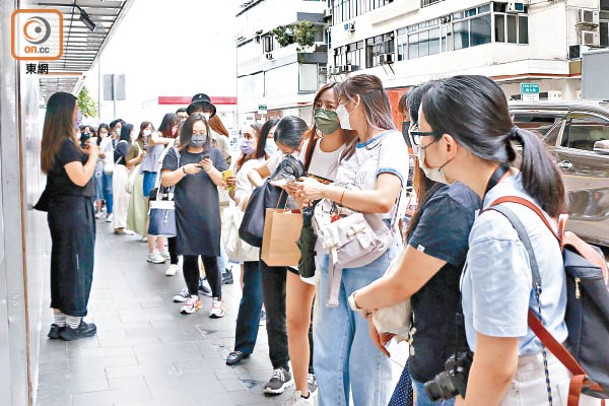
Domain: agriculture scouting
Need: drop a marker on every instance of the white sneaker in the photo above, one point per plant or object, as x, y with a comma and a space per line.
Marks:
165, 254
182, 296
298, 400
172, 270
218, 309
109, 218
312, 383
155, 258
193, 304
98, 215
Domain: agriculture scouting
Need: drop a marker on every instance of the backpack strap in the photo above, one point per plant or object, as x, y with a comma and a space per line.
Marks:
535, 324
524, 202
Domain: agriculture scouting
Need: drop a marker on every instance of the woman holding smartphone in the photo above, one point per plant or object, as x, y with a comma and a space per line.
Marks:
195, 169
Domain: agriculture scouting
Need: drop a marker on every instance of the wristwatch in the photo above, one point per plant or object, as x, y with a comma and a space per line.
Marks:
352, 304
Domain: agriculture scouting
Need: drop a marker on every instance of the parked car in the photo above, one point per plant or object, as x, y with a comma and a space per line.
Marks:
577, 134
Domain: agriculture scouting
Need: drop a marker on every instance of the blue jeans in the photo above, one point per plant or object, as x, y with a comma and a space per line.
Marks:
248, 319
423, 400
346, 360
222, 259
107, 182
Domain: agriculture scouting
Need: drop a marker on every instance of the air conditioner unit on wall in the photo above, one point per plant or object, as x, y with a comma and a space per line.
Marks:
385, 59
587, 19
327, 13
335, 70
554, 95
515, 7
576, 51
590, 38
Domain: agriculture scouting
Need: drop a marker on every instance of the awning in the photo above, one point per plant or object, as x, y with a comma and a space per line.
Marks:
81, 46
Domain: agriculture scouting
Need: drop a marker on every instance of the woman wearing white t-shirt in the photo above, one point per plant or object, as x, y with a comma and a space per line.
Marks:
326, 142
370, 179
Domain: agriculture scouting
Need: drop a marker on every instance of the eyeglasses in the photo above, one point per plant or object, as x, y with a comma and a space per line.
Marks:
415, 136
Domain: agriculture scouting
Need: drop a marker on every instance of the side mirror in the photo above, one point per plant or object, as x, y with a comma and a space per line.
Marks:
602, 147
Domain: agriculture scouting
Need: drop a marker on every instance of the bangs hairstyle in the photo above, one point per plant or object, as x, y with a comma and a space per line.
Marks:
143, 127
126, 132
186, 131
58, 127
311, 134
375, 101
169, 120
264, 133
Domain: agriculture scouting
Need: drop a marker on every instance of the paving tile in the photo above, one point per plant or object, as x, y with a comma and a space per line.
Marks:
89, 385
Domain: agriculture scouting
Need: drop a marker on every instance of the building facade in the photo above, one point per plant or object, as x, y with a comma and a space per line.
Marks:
282, 51
411, 41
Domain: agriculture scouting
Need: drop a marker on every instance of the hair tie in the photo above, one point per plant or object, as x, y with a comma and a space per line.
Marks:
513, 134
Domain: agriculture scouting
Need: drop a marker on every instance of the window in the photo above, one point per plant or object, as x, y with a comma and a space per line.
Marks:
377, 46
582, 133
344, 10
462, 29
547, 126
425, 3
604, 32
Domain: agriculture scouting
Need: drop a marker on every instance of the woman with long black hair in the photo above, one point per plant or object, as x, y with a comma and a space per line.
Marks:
474, 144
68, 198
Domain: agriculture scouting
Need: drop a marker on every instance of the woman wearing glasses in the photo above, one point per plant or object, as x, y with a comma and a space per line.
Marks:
195, 169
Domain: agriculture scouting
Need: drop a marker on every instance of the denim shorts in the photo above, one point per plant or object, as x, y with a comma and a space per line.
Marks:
149, 181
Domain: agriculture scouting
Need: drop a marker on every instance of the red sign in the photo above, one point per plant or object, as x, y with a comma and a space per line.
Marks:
185, 100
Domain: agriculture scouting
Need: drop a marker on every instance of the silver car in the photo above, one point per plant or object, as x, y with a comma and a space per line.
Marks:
577, 134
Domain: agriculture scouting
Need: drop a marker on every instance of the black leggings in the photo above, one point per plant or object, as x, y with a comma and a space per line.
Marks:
172, 247
191, 274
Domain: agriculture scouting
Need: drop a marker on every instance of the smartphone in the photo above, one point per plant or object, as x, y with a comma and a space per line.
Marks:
204, 156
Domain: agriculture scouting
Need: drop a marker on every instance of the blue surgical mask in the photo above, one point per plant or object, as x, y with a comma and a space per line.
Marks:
270, 147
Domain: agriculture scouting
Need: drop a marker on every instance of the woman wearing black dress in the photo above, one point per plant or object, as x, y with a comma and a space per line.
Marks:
194, 168
68, 198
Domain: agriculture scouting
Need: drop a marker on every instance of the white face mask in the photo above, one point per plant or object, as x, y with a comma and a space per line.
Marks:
133, 136
147, 133
343, 117
434, 174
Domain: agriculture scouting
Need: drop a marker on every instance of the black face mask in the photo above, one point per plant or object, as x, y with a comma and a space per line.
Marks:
405, 127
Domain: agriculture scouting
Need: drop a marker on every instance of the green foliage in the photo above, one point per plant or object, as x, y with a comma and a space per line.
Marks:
282, 36
304, 34
86, 104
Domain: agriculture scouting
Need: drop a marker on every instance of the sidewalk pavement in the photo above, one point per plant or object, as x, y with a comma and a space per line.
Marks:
146, 352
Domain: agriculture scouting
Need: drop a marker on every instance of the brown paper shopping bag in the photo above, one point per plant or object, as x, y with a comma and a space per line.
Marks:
281, 231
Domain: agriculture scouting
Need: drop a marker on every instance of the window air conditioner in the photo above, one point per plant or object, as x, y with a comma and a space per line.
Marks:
515, 7
590, 38
335, 70
386, 59
324, 70
347, 68
587, 18
327, 13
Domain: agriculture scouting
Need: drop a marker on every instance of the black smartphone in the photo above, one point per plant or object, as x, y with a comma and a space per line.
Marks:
204, 156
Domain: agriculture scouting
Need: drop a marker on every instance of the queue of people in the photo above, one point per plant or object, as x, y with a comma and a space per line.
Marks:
465, 272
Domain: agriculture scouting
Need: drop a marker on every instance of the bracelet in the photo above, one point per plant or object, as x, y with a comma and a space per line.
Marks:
342, 196
184, 170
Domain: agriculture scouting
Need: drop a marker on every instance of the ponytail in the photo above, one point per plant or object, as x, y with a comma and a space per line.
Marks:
541, 178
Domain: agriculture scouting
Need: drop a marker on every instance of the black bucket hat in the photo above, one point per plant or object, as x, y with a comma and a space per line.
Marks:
201, 98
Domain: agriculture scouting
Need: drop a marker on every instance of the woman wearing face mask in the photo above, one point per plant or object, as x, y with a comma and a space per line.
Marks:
371, 178
194, 168
248, 319
289, 135
474, 145
325, 143
120, 177
428, 272
138, 209
106, 152
155, 142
